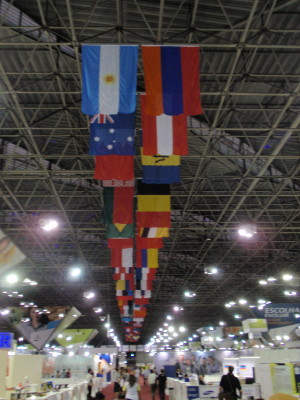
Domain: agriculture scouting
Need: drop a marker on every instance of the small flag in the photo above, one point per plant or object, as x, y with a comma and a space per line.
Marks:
157, 219
118, 205
109, 75
118, 183
114, 231
114, 167
154, 203
147, 258
160, 169
172, 80
114, 136
153, 232
149, 243
119, 243
163, 134
121, 257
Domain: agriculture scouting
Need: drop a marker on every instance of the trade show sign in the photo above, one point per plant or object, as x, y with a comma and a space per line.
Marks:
6, 340
193, 392
279, 314
254, 325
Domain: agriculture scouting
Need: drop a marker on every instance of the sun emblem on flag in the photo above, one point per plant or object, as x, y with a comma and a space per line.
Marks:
109, 79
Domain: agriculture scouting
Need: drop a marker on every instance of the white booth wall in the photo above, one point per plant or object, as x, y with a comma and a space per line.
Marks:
77, 364
24, 367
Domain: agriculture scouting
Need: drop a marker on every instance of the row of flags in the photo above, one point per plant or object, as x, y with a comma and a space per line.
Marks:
135, 228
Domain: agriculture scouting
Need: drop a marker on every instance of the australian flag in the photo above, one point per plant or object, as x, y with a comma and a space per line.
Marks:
112, 134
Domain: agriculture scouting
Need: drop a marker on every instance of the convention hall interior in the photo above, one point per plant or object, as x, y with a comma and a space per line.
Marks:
223, 287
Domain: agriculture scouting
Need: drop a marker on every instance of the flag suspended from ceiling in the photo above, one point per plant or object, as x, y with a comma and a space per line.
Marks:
148, 243
114, 167
119, 231
153, 232
153, 198
118, 183
112, 134
147, 258
109, 75
160, 169
153, 219
172, 80
118, 205
163, 134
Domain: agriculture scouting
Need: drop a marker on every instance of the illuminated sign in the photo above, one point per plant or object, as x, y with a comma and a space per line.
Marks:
6, 340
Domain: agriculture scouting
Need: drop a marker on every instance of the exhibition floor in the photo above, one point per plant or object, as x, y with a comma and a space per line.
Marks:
145, 392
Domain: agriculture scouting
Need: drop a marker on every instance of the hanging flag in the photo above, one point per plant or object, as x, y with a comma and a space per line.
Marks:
157, 219
118, 205
121, 257
163, 134
143, 188
172, 80
118, 183
114, 136
109, 75
154, 203
153, 232
149, 243
119, 231
120, 243
160, 169
147, 257
114, 167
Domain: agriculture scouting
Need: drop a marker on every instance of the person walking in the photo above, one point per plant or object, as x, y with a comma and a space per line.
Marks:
89, 379
162, 382
228, 385
152, 382
132, 389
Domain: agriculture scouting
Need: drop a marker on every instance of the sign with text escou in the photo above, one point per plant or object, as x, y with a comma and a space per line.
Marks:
280, 314
192, 392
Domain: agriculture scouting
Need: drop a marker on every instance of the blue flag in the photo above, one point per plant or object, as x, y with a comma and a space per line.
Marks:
161, 174
109, 76
112, 134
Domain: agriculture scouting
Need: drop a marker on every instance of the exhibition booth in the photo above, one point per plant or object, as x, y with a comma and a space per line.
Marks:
263, 373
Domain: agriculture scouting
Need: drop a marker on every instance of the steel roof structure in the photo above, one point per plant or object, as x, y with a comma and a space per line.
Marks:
243, 163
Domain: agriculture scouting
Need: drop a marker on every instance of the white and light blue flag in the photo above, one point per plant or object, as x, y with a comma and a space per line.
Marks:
109, 77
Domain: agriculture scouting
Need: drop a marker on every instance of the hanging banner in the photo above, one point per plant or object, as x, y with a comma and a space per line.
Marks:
77, 337
254, 325
10, 255
40, 325
279, 314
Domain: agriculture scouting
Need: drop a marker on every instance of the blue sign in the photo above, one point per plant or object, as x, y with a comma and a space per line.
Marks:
6, 340
278, 315
192, 392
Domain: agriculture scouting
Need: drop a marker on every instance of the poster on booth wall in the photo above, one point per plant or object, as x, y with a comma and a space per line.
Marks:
283, 379
10, 255
40, 325
200, 362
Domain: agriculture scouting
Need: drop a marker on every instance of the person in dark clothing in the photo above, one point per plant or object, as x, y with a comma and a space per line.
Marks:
162, 381
228, 385
201, 380
99, 395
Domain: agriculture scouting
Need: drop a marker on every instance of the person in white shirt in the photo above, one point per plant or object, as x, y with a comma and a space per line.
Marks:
89, 379
152, 382
132, 389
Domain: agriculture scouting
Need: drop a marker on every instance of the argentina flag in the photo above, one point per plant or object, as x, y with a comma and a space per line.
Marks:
109, 75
